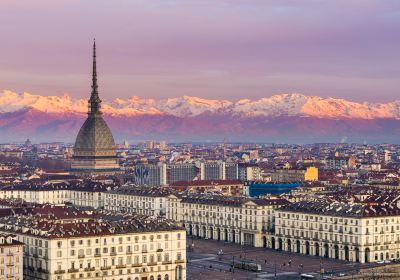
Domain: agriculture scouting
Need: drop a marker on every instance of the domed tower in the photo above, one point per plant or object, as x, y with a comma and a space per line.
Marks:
94, 150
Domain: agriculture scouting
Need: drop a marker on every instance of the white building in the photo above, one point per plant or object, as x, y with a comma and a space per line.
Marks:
70, 244
11, 257
140, 200
345, 231
79, 193
249, 172
233, 219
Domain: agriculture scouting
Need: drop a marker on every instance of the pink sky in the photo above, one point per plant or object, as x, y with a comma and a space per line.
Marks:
207, 48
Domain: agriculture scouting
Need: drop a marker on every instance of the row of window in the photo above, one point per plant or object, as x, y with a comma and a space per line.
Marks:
129, 260
114, 197
224, 209
120, 249
307, 217
119, 239
30, 242
319, 235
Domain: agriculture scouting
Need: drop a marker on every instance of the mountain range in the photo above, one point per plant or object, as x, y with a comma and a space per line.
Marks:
292, 118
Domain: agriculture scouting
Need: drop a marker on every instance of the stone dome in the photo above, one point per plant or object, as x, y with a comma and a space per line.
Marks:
95, 136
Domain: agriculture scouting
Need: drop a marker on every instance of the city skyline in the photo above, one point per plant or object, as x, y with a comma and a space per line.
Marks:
233, 49
199, 139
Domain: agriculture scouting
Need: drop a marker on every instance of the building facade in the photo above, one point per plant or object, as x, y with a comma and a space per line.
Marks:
212, 170
79, 194
224, 187
356, 233
140, 200
127, 248
249, 172
337, 163
150, 174
233, 219
231, 171
288, 175
11, 257
182, 172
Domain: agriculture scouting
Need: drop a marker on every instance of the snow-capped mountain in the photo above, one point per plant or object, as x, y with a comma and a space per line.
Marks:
278, 105
284, 118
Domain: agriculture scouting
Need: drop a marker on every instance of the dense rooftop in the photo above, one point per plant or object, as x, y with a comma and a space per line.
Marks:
67, 221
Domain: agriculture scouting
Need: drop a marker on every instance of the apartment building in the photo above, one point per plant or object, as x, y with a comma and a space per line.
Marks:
65, 243
338, 162
212, 170
140, 200
150, 174
231, 171
11, 257
162, 174
346, 231
79, 193
225, 187
289, 175
249, 172
182, 172
234, 219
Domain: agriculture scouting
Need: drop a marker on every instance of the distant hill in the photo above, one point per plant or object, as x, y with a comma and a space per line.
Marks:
280, 118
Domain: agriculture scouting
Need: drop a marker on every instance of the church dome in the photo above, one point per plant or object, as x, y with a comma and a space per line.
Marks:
94, 135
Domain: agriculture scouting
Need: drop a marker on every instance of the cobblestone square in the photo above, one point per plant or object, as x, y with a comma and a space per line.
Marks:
205, 263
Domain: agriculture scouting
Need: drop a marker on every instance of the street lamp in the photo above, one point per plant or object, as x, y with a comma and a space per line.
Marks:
321, 269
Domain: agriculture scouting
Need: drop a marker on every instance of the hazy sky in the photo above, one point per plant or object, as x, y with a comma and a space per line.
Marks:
207, 48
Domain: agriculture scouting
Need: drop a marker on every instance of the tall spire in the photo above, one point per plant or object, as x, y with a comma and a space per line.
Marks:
94, 101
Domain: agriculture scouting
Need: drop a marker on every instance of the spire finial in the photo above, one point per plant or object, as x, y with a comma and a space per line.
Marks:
94, 101
94, 72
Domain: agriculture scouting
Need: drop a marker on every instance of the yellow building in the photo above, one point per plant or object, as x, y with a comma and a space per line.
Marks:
311, 174
294, 175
